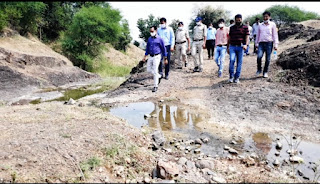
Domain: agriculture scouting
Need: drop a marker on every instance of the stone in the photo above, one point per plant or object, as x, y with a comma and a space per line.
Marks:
268, 168
154, 115
158, 138
81, 104
189, 142
233, 151
119, 170
128, 160
254, 155
161, 101
167, 170
276, 162
182, 148
147, 116
277, 153
71, 102
190, 165
197, 151
249, 161
154, 146
205, 140
166, 181
188, 148
198, 141
219, 180
233, 142
100, 170
296, 159
177, 145
201, 164
278, 145
147, 180
226, 147
182, 161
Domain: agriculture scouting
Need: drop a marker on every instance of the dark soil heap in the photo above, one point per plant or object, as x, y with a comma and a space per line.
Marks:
302, 65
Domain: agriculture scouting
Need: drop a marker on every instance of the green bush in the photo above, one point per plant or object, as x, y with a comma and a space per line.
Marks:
136, 43
145, 24
91, 27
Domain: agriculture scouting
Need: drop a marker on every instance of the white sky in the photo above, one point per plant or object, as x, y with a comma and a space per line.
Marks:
132, 11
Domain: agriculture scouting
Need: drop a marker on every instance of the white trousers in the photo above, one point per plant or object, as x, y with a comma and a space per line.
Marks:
197, 45
152, 67
181, 52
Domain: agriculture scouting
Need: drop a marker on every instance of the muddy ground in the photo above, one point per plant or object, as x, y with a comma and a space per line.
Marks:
84, 142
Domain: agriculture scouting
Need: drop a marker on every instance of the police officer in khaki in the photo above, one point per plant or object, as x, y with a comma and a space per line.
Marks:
181, 47
199, 43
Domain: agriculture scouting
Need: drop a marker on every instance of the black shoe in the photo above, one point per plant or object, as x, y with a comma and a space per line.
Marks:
185, 64
167, 78
200, 70
160, 80
195, 69
155, 89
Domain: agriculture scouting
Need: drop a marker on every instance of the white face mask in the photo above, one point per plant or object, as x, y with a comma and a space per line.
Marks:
153, 34
198, 23
180, 28
266, 21
221, 25
162, 25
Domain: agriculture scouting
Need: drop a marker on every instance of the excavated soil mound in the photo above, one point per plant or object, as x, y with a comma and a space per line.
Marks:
302, 64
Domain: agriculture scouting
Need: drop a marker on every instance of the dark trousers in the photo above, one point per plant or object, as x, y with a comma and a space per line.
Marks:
210, 47
167, 66
264, 47
254, 44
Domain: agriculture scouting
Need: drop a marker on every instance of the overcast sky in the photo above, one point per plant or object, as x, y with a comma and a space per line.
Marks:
132, 11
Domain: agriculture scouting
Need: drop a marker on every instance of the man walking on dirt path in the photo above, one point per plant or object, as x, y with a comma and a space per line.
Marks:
267, 37
250, 38
221, 45
237, 43
155, 48
255, 27
167, 34
182, 37
199, 43
210, 42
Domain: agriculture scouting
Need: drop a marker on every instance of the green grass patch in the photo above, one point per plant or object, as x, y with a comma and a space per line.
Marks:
36, 101
90, 164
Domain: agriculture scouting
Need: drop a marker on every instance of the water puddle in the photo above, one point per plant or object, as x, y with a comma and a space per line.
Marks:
175, 118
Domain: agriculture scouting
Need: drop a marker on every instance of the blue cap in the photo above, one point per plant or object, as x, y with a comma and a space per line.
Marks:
198, 19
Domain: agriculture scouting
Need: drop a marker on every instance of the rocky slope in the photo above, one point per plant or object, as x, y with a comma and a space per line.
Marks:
27, 64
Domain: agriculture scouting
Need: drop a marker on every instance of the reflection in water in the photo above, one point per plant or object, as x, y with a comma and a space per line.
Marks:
262, 141
172, 117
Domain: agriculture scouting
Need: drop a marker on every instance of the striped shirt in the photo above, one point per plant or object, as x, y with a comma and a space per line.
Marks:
238, 34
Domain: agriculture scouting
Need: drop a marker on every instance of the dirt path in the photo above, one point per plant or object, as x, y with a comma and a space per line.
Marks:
254, 105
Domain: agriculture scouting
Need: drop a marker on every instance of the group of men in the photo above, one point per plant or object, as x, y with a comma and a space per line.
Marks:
233, 40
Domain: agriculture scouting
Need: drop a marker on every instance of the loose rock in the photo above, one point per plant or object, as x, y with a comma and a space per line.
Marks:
158, 138
233, 151
276, 162
278, 145
198, 141
226, 147
197, 151
201, 164
147, 116
296, 159
182, 161
219, 180
71, 102
167, 170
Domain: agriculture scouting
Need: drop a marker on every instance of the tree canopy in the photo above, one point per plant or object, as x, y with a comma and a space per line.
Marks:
145, 24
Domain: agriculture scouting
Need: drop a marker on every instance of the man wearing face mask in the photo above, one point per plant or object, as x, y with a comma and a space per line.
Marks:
221, 45
155, 48
267, 35
210, 42
167, 34
182, 36
199, 43
237, 43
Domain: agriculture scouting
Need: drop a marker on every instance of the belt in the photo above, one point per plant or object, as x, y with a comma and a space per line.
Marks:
181, 42
197, 40
154, 54
236, 45
221, 45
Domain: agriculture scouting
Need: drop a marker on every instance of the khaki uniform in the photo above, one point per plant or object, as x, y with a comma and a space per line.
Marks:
181, 48
199, 32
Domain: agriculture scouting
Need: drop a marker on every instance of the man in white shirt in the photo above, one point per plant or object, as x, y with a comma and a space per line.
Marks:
254, 33
250, 36
267, 39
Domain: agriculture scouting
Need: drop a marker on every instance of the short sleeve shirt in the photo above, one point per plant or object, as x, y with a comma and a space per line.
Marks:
181, 35
238, 34
199, 32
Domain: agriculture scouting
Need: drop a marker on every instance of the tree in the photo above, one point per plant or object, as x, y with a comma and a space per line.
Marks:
124, 37
174, 24
209, 14
136, 43
145, 24
23, 16
91, 27
284, 14
252, 18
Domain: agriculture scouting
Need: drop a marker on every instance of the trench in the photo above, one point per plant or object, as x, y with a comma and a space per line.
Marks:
177, 118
